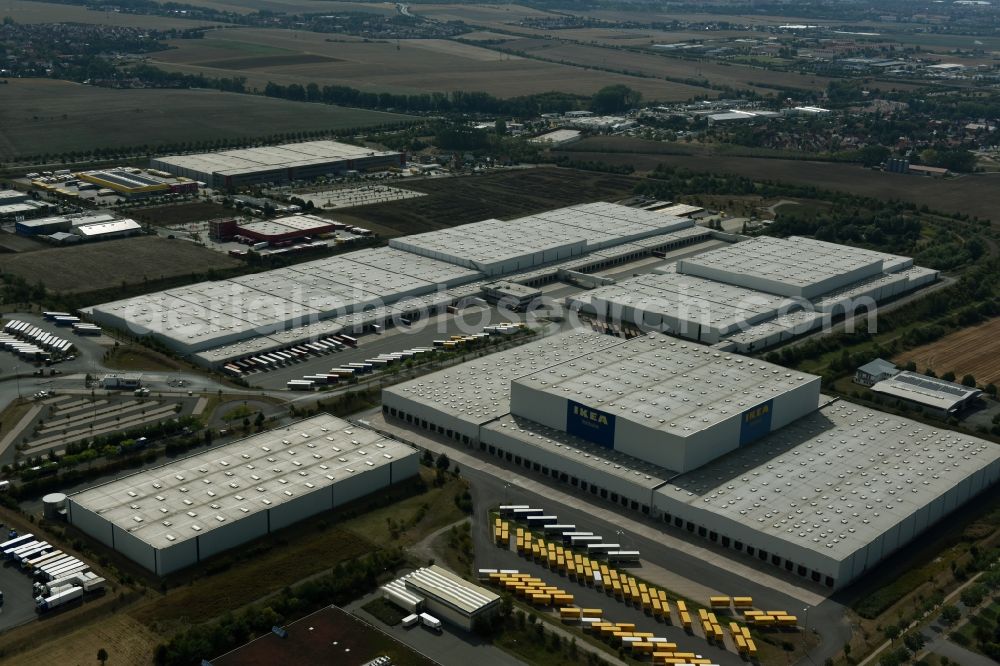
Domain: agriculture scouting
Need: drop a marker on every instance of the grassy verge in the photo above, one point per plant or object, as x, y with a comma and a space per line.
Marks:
979, 633
406, 519
385, 611
136, 358
533, 644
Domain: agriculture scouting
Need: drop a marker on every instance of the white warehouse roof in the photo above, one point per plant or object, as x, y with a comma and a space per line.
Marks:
447, 588
496, 247
836, 480
665, 384
798, 267
187, 498
930, 391
234, 162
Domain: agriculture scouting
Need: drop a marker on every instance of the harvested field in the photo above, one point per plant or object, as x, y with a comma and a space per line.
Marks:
651, 64
972, 351
975, 194
295, 6
108, 264
49, 116
166, 216
411, 66
507, 194
263, 62
126, 641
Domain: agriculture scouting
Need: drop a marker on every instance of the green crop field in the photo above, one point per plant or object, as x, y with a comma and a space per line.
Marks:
39, 116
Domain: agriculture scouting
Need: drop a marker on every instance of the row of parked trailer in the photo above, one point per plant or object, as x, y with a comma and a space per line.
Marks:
280, 358
80, 327
348, 370
59, 577
596, 546
33, 343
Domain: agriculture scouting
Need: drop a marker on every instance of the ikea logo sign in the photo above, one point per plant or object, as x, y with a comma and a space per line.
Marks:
590, 424
597, 417
756, 413
756, 422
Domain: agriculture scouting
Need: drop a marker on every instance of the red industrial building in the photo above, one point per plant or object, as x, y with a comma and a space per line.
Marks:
287, 228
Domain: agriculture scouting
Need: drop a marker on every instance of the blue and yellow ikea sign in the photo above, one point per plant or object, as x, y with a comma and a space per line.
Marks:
590, 424
756, 422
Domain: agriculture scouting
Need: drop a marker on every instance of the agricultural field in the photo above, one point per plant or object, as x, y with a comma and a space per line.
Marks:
507, 194
294, 6
734, 76
41, 116
974, 351
109, 264
409, 66
974, 194
26, 11
179, 214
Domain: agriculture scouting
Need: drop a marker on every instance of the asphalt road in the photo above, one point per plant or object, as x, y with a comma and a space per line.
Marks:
19, 603
490, 490
452, 647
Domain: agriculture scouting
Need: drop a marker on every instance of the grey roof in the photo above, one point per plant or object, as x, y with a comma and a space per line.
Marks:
929, 391
478, 391
446, 587
182, 499
607, 461
836, 479
878, 367
666, 384
269, 158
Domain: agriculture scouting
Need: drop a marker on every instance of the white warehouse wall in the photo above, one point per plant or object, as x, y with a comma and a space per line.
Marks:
232, 534
90, 523
176, 557
135, 549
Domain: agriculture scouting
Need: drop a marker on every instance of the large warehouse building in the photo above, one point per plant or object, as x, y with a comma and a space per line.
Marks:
276, 164
753, 294
171, 517
742, 296
743, 453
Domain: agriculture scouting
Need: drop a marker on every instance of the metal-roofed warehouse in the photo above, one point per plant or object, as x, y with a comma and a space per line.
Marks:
170, 517
496, 247
795, 267
276, 164
446, 595
740, 452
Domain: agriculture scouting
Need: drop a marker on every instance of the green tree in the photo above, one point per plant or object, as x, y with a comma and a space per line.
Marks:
442, 462
950, 614
102, 656
614, 99
500, 127
969, 380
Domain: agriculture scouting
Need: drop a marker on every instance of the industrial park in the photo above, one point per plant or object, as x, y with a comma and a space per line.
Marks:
538, 334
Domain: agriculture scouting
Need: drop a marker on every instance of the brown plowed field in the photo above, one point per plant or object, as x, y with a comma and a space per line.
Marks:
974, 351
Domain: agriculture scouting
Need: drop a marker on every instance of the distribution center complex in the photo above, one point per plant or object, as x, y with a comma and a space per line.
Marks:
744, 453
276, 164
170, 517
743, 296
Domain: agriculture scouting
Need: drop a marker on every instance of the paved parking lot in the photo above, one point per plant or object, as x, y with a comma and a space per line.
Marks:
19, 604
